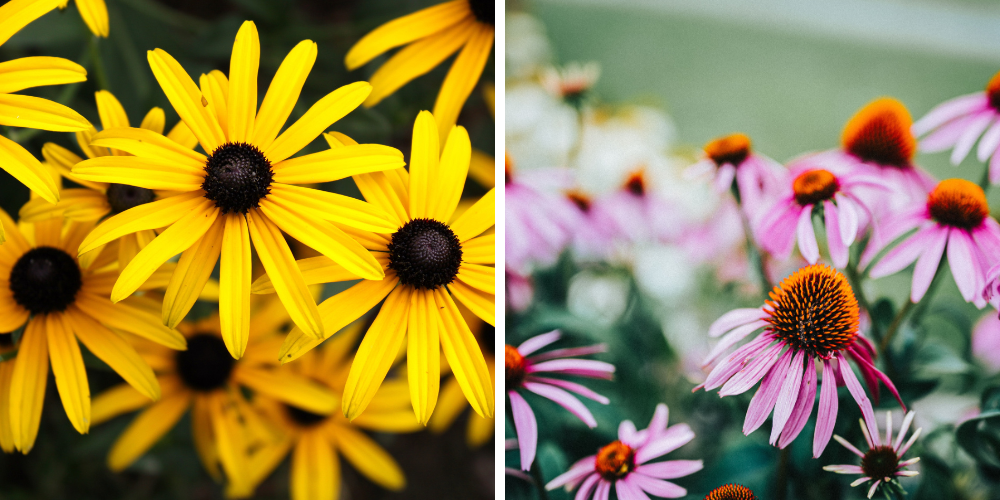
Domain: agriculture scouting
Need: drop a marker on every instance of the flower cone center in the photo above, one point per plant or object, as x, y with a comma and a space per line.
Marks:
425, 253
993, 91
305, 418
514, 367
45, 279
636, 183
615, 461
815, 186
206, 364
958, 203
731, 149
122, 197
880, 462
880, 133
237, 177
483, 10
731, 492
814, 310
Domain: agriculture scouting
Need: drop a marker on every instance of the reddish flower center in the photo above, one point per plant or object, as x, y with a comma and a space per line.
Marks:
514, 367
636, 183
880, 133
880, 462
731, 492
958, 203
507, 167
732, 149
815, 186
814, 310
993, 91
580, 199
615, 461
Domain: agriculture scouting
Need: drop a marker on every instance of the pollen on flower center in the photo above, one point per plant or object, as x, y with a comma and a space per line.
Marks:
615, 461
731, 492
483, 10
815, 186
425, 253
45, 280
122, 197
993, 91
814, 310
958, 203
206, 364
880, 462
731, 149
580, 199
514, 367
237, 176
880, 133
305, 418
636, 183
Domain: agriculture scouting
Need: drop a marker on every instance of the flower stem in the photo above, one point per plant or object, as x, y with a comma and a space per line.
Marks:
985, 181
894, 326
95, 58
897, 322
852, 275
543, 494
754, 254
781, 482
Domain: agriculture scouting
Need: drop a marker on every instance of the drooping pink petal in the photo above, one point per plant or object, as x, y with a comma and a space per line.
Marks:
989, 143
676, 436
849, 219
571, 386
927, 263
968, 138
735, 318
946, 136
838, 251
949, 110
587, 487
763, 401
603, 490
803, 406
907, 420
987, 239
732, 338
656, 487
806, 237
964, 264
582, 367
671, 469
626, 490
826, 416
724, 178
862, 360
736, 361
701, 168
905, 253
790, 389
537, 342
575, 474
752, 373
995, 169
569, 352
564, 399
526, 428
858, 392
776, 232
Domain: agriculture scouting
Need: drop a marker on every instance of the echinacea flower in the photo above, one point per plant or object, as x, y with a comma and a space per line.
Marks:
318, 442
244, 191
64, 302
508, 445
955, 218
986, 342
959, 122
432, 259
811, 317
524, 372
635, 213
735, 165
539, 222
431, 35
626, 466
206, 380
731, 492
811, 190
572, 82
94, 14
882, 463
29, 111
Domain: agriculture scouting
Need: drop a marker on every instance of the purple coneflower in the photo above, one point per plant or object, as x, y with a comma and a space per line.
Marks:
731, 159
731, 492
539, 223
812, 317
625, 464
882, 463
524, 372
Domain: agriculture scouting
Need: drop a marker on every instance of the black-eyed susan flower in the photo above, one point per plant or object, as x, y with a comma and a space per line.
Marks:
8, 351
206, 380
431, 35
62, 302
883, 463
430, 261
29, 111
94, 14
316, 440
244, 190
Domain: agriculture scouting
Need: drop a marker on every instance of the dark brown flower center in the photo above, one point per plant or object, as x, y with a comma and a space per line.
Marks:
305, 418
636, 183
880, 462
514, 367
206, 364
483, 10
615, 461
45, 279
237, 177
993, 91
425, 253
958, 203
814, 186
731, 492
880, 133
122, 197
732, 149
580, 199
814, 310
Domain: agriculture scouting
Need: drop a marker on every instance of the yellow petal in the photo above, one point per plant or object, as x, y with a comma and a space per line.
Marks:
289, 388
155, 120
451, 174
451, 402
477, 276
110, 110
314, 270
477, 219
124, 398
228, 438
130, 318
234, 281
482, 168
405, 30
243, 66
62, 160
481, 304
147, 429
369, 458
181, 134
377, 352
266, 459
114, 350
423, 361
339, 163
201, 432
147, 173
153, 215
463, 355
28, 72
283, 93
479, 431
12, 315
337, 139
16, 14
321, 115
480, 250
395, 422
6, 435
34, 112
215, 88
378, 190
95, 14
186, 99
20, 164
280, 266
149, 144
193, 270
70, 375
27, 385
83, 140
333, 207
462, 77
76, 204
315, 469
424, 156
16, 245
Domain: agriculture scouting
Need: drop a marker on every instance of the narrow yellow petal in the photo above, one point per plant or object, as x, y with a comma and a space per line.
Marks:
339, 163
451, 402
181, 134
423, 361
321, 115
16, 14
477, 219
406, 29
76, 204
265, 459
482, 168
315, 469
337, 139
83, 138
370, 459
371, 241
289, 388
28, 72
6, 435
34, 112
424, 156
95, 14
201, 432
16, 245
228, 437
280, 266
378, 190
153, 215
234, 281
193, 270
149, 144
147, 173
20, 164
70, 375
186, 99
243, 64
27, 386
12, 315
377, 352
155, 120
481, 304
110, 110
62, 160
463, 355
215, 87
114, 350
480, 431
451, 174
462, 78
147, 429
480, 250
333, 207
130, 318
315, 270
124, 398
395, 422
128, 248
283, 93
478, 276
47, 233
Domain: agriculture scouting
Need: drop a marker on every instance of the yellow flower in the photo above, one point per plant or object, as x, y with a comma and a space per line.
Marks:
7, 352
62, 302
94, 14
431, 35
208, 381
29, 111
315, 440
243, 191
428, 264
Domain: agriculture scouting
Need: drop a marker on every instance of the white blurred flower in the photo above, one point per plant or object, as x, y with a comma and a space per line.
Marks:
526, 47
614, 145
598, 297
571, 82
665, 272
941, 408
540, 129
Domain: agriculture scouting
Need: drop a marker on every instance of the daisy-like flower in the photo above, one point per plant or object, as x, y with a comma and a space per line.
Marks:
735, 164
206, 380
8, 351
540, 222
63, 302
431, 259
244, 191
811, 190
959, 122
635, 213
315, 440
527, 372
94, 14
29, 111
572, 82
431, 35
731, 492
955, 218
882, 464
626, 466
812, 317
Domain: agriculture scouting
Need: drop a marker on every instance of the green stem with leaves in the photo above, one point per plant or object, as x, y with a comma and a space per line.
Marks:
918, 312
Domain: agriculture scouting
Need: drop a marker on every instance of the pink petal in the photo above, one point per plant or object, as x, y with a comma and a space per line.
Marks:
968, 138
564, 399
732, 338
658, 424
763, 401
735, 318
736, 361
526, 428
949, 110
826, 416
655, 486
803, 406
700, 168
576, 473
907, 420
628, 434
989, 143
752, 373
628, 491
582, 367
675, 437
838, 251
995, 169
724, 178
786, 397
569, 352
587, 487
946, 136
871, 491
535, 343
964, 264
854, 387
776, 232
806, 237
863, 361
848, 221
672, 469
574, 387
905, 253
603, 490
927, 264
